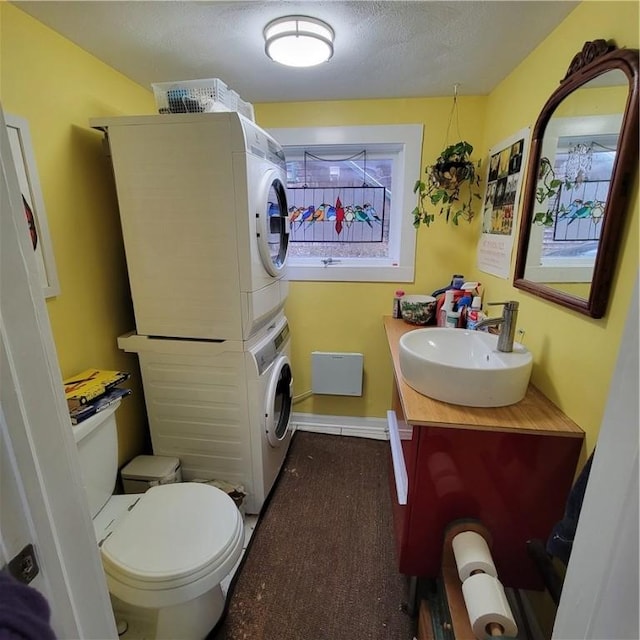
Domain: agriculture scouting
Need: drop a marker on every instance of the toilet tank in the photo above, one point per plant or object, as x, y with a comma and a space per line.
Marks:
97, 442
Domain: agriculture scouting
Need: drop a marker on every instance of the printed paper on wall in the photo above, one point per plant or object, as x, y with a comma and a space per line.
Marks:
507, 162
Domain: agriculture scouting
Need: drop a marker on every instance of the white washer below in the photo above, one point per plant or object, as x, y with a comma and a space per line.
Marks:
222, 407
270, 384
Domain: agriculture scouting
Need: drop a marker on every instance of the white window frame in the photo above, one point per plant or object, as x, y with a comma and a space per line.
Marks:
403, 141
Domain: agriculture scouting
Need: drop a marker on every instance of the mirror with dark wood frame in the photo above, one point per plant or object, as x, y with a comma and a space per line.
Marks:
581, 171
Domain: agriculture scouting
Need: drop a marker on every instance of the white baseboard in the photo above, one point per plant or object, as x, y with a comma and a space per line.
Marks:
375, 428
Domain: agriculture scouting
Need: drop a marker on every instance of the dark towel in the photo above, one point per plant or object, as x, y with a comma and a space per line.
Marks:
24, 612
560, 541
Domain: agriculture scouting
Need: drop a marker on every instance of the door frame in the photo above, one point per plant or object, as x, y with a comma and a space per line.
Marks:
38, 433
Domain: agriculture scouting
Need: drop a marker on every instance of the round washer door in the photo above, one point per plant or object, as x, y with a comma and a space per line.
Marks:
278, 401
272, 228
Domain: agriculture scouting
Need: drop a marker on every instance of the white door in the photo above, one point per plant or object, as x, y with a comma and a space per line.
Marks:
43, 501
600, 592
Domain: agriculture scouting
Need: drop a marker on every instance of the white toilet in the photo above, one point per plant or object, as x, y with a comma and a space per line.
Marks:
165, 551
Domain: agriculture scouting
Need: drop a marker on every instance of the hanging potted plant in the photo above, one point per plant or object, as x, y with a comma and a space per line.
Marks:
452, 171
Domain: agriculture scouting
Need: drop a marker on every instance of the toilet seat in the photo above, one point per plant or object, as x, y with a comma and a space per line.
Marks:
176, 542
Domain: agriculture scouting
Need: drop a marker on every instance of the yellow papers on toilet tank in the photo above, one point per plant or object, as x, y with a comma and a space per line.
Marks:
90, 384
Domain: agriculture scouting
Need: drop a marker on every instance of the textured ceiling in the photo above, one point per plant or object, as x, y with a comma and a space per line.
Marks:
382, 48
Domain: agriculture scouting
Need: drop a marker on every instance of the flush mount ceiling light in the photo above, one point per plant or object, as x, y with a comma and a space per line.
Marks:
298, 41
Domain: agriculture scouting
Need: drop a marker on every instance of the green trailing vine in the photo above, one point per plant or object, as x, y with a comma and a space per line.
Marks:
548, 187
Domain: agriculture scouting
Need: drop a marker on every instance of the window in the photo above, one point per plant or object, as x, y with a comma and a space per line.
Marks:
349, 192
339, 207
580, 199
565, 251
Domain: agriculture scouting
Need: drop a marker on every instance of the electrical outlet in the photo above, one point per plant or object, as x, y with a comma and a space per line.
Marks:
24, 566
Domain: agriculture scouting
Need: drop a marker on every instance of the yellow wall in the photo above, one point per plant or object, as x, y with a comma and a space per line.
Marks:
574, 355
57, 87
348, 316
568, 369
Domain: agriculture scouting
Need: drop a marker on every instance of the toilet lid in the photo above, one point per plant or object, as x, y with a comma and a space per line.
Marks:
173, 531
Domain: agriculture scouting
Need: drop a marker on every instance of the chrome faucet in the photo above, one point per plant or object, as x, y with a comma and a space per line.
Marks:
507, 324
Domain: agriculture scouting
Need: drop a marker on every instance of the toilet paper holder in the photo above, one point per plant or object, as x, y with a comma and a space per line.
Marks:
445, 606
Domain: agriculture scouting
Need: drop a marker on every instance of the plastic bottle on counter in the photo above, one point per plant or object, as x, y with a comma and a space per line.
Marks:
397, 311
473, 315
453, 318
447, 306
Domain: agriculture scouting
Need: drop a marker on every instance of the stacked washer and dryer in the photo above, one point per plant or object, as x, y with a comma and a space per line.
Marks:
204, 219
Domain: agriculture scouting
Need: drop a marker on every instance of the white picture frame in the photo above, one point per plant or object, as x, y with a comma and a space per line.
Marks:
35, 212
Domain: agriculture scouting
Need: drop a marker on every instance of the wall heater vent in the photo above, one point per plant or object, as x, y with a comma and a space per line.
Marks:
336, 374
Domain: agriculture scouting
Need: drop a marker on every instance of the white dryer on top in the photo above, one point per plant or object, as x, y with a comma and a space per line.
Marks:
204, 219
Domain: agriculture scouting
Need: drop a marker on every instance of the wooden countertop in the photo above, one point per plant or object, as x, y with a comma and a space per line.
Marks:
534, 414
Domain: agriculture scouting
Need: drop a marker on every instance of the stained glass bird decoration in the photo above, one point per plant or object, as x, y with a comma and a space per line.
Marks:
294, 213
306, 214
274, 209
316, 216
578, 210
371, 213
361, 215
349, 215
339, 216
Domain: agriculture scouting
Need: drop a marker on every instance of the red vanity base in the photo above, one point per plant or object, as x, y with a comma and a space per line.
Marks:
515, 484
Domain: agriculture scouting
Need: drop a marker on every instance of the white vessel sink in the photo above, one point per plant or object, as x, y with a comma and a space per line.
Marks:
464, 367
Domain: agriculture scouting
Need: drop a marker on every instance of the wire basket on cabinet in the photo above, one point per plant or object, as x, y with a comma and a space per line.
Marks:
194, 96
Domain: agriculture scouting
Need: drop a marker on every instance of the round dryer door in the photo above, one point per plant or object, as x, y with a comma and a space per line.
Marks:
273, 223
278, 402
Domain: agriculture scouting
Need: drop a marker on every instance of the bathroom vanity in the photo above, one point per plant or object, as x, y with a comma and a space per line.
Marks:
509, 467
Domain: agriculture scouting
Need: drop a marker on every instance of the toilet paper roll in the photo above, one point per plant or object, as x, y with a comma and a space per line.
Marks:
472, 553
486, 604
